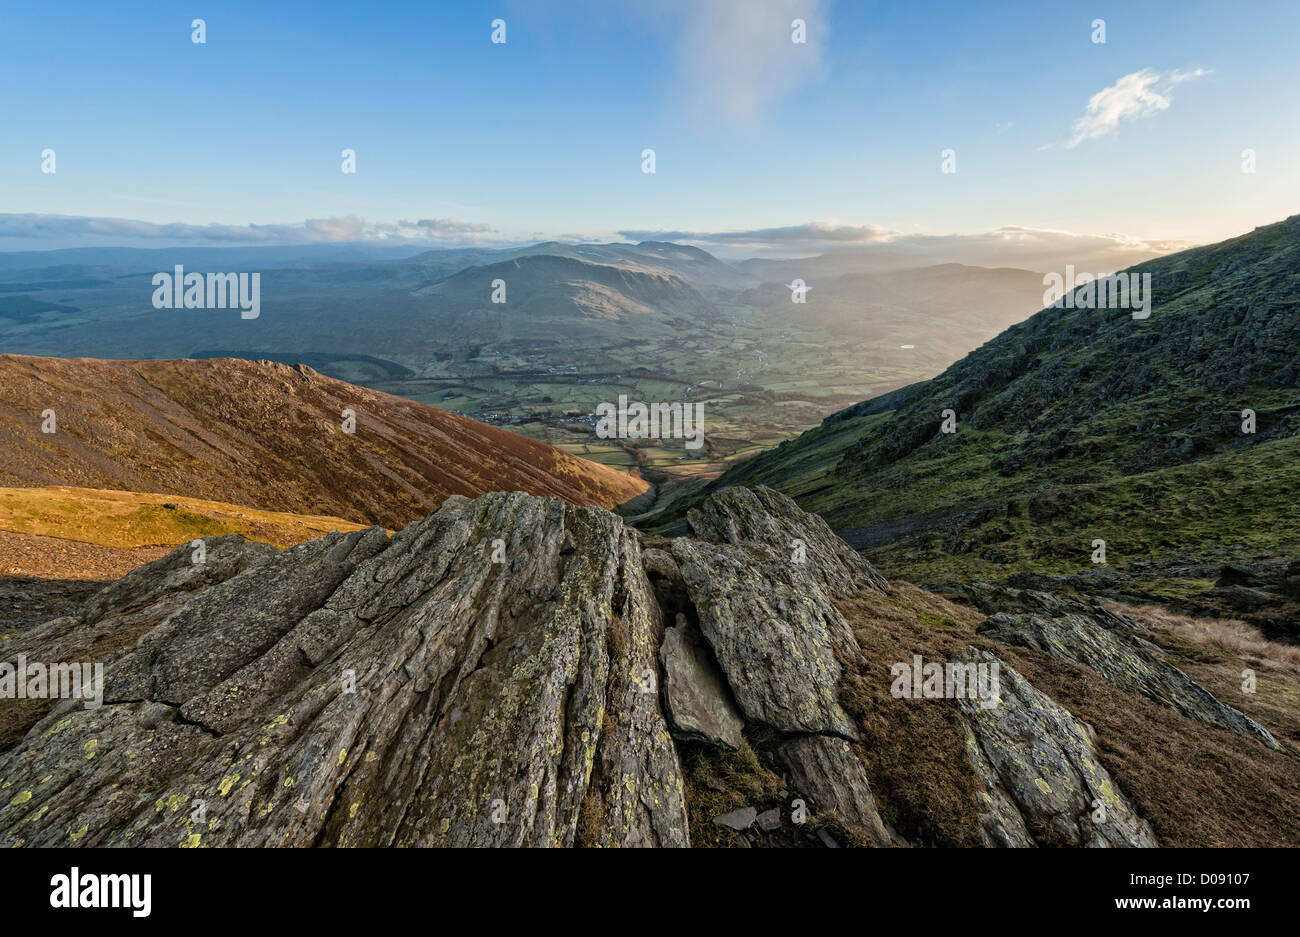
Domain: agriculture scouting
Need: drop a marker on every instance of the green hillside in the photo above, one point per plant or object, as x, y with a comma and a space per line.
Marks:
1083, 424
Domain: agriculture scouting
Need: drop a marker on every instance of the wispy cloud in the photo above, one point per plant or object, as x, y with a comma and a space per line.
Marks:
348, 228
1136, 95
735, 58
1010, 245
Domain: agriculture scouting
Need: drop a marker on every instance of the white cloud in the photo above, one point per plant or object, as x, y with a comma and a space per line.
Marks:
735, 58
814, 236
1136, 95
1014, 246
347, 228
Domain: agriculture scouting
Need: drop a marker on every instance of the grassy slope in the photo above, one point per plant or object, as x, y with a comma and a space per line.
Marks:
129, 520
1081, 424
59, 533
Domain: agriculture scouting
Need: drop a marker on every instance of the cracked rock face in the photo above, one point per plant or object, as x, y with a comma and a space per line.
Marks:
763, 576
509, 671
361, 691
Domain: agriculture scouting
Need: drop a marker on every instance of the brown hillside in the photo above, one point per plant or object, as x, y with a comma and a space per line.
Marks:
268, 436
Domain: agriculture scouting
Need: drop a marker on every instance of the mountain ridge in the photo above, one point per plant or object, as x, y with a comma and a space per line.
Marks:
265, 435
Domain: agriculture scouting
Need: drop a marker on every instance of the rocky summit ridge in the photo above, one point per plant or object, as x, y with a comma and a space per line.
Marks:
519, 671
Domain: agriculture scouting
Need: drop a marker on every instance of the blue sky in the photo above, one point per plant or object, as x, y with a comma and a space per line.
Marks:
542, 136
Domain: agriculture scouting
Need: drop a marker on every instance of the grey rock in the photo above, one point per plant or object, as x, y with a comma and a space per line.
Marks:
106, 627
1126, 662
407, 691
362, 690
1040, 771
695, 692
991, 598
763, 517
774, 633
740, 819
1244, 598
828, 771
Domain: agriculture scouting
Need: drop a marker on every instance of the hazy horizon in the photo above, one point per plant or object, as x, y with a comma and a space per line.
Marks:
1015, 134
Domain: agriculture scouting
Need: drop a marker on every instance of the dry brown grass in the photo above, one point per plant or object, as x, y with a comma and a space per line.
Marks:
268, 436
914, 750
1215, 651
1198, 785
1229, 635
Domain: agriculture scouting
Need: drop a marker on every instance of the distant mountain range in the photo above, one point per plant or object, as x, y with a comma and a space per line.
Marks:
414, 308
535, 338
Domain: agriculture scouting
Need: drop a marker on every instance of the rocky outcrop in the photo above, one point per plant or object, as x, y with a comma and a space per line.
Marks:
762, 579
992, 598
769, 520
518, 671
1043, 782
485, 677
110, 621
1074, 631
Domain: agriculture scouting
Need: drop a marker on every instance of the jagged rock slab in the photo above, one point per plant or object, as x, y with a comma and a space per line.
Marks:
1126, 662
107, 625
762, 577
695, 693
496, 675
362, 691
991, 598
1040, 771
828, 770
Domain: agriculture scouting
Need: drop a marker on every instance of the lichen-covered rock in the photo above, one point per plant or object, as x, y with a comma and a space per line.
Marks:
106, 626
500, 674
1043, 782
774, 632
485, 677
765, 517
764, 591
1126, 662
991, 598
